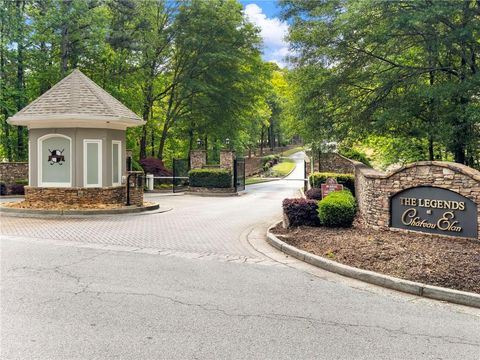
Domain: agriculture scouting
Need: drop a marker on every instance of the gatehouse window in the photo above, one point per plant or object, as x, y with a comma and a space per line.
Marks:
92, 163
55, 161
116, 162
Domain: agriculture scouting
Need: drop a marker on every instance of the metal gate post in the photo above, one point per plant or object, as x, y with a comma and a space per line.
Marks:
305, 180
235, 174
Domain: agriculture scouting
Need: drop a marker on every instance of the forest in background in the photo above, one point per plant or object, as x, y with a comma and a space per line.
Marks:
394, 81
399, 80
191, 69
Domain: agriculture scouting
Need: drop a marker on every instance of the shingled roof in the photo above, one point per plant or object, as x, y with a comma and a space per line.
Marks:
76, 100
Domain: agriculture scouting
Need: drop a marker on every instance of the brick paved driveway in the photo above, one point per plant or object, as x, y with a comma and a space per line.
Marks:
198, 225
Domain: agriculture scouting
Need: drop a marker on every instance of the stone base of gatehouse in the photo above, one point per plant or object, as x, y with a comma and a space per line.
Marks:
81, 196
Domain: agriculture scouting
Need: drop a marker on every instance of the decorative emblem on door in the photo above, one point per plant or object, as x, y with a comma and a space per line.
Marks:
56, 157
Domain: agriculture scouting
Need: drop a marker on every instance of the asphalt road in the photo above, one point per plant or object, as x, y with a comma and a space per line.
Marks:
188, 284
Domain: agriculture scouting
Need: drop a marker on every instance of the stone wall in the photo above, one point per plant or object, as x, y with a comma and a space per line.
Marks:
374, 189
227, 158
253, 166
333, 162
198, 159
10, 172
116, 195
136, 196
77, 196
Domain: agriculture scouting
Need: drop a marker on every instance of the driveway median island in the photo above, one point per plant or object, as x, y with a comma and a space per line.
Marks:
48, 208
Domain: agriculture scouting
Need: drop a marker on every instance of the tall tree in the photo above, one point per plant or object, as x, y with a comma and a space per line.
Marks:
402, 69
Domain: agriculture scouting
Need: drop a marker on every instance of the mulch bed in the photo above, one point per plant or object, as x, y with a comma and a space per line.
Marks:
448, 262
39, 205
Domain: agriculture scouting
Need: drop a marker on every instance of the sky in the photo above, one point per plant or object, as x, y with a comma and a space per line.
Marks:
266, 15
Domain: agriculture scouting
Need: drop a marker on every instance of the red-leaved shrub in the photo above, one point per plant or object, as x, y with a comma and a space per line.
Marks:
301, 212
155, 166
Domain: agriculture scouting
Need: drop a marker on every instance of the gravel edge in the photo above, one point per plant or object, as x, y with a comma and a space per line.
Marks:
390, 282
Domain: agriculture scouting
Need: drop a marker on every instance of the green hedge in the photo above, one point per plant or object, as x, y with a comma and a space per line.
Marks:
210, 178
337, 209
347, 180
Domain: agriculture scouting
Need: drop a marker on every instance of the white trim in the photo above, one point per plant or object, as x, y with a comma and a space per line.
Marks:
74, 120
119, 163
29, 162
92, 141
39, 162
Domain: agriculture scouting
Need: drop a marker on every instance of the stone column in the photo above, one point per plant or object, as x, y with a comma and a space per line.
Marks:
227, 158
198, 159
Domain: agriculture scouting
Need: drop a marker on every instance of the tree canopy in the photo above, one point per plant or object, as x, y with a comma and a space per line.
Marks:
191, 69
400, 77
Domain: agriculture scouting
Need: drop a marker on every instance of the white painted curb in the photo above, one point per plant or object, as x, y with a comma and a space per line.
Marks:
390, 282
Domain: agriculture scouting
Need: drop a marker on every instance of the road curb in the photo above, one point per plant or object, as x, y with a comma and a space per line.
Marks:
212, 194
38, 212
390, 282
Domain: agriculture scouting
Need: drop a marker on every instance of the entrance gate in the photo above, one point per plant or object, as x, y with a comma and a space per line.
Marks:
239, 174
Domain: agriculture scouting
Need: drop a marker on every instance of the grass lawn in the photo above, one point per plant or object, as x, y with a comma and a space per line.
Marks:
292, 151
283, 169
280, 170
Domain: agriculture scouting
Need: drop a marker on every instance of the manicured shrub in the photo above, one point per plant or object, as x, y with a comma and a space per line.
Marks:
155, 167
21, 182
337, 209
301, 212
314, 194
210, 178
347, 180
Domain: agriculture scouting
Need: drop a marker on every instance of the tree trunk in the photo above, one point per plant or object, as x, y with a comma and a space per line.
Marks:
206, 147
5, 125
190, 141
152, 143
20, 83
262, 140
143, 143
64, 42
319, 156
163, 139
44, 85
269, 137
166, 125
147, 106
459, 153
64, 51
431, 155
